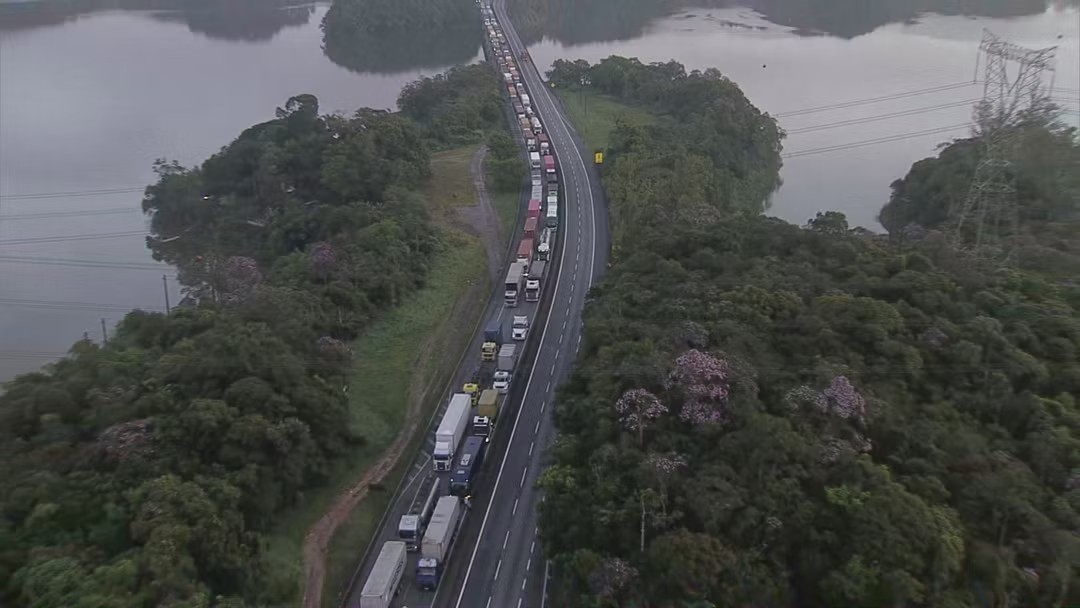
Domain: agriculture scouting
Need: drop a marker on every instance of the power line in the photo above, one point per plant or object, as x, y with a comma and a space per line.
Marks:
43, 261
858, 102
77, 237
66, 305
14, 217
857, 121
47, 195
874, 141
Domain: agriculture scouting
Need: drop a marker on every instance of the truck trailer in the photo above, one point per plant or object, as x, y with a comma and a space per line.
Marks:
437, 542
525, 252
411, 526
515, 281
543, 249
492, 340
382, 584
553, 217
549, 165
464, 475
505, 370
532, 282
451, 430
534, 157
530, 228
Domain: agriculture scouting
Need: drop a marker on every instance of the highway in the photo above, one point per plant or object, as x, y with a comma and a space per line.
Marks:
496, 560
505, 568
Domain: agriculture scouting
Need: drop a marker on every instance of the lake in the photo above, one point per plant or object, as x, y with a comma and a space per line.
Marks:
92, 91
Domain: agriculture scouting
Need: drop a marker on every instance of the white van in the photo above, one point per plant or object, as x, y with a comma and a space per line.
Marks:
553, 217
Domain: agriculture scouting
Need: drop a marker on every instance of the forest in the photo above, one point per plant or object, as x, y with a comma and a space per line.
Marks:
144, 472
710, 154
771, 415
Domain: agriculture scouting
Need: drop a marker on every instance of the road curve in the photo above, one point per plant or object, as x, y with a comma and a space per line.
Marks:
505, 568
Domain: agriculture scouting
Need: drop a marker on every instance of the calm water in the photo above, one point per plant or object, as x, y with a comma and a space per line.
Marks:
855, 54
90, 97
87, 102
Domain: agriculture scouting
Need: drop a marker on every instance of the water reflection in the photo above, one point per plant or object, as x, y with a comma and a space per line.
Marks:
586, 21
239, 20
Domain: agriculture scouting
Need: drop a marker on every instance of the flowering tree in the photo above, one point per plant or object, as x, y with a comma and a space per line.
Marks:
841, 399
705, 380
323, 259
332, 348
637, 408
237, 278
660, 468
611, 577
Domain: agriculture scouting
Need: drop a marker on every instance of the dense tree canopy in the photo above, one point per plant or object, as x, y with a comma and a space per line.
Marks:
142, 473
711, 153
769, 415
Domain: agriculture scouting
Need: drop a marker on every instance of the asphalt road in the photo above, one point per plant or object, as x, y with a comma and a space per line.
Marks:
505, 568
496, 559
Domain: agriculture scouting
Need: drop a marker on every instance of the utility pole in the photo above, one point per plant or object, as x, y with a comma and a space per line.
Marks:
104, 333
165, 284
990, 210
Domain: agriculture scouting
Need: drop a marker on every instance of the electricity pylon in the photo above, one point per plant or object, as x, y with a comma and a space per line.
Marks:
990, 209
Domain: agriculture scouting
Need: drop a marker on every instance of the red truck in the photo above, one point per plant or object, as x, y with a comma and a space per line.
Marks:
549, 164
545, 147
534, 209
525, 251
530, 228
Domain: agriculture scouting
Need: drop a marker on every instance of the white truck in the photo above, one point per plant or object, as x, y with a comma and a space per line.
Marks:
532, 282
451, 429
515, 278
411, 526
437, 542
519, 330
505, 370
543, 249
534, 158
382, 583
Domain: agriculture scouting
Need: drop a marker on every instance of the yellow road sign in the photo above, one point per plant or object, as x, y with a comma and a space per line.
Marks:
598, 157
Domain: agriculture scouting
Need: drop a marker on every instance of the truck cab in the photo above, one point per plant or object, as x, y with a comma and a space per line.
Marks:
520, 328
502, 382
492, 341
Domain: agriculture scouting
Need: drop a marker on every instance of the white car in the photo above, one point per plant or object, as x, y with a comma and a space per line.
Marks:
502, 382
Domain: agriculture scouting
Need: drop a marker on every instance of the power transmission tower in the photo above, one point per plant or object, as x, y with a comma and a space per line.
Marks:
990, 209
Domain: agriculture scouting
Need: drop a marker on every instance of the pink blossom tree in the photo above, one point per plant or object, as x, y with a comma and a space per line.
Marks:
611, 577
705, 380
637, 408
238, 277
841, 399
323, 259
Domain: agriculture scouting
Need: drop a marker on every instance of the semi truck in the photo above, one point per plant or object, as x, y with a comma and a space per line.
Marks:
534, 157
543, 249
438, 539
553, 217
532, 282
552, 198
525, 252
525, 100
468, 467
519, 328
515, 278
545, 145
505, 368
487, 411
537, 193
382, 584
549, 166
411, 526
451, 430
530, 228
539, 128
492, 340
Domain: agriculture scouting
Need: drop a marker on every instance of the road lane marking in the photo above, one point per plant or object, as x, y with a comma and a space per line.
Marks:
543, 404
514, 512
506, 539
523, 581
552, 369
528, 565
488, 605
537, 427
524, 471
497, 568
519, 601
531, 445
532, 547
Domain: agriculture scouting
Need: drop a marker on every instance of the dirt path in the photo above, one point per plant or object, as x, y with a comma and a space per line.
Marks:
482, 220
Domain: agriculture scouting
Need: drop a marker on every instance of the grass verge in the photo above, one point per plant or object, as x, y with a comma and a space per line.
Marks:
389, 359
507, 206
593, 115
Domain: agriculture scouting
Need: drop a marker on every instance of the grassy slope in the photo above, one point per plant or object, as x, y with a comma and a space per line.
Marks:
593, 115
386, 359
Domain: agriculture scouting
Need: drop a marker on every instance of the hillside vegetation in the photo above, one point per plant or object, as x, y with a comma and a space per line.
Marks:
769, 415
709, 154
146, 472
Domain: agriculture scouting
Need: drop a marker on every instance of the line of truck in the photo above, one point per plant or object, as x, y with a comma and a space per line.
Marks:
440, 502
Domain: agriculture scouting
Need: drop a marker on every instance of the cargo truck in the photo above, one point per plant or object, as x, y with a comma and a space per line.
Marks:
411, 526
486, 412
530, 228
532, 282
537, 179
530, 141
513, 92
515, 278
534, 208
537, 194
525, 252
438, 539
545, 146
382, 583
543, 249
492, 340
552, 199
464, 475
553, 217
451, 430
505, 371
549, 165
534, 157
519, 329
539, 128
525, 100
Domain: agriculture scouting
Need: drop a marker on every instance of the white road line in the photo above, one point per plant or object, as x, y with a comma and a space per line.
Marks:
497, 568
506, 539
547, 389
532, 547
560, 338
519, 599
523, 472
488, 605
528, 565
523, 581
536, 428
552, 369
544, 403
531, 446
514, 512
